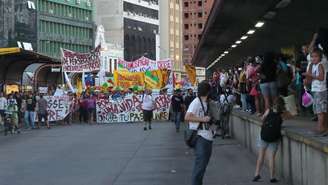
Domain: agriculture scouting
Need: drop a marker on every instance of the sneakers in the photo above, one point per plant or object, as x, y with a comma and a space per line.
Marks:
145, 128
273, 180
149, 127
256, 178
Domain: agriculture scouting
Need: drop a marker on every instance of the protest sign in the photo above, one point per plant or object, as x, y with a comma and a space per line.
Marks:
58, 107
128, 109
81, 62
127, 80
144, 64
43, 90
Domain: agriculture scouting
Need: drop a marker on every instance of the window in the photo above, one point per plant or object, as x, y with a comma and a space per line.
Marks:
200, 25
200, 14
186, 26
200, 3
186, 15
186, 37
199, 36
186, 4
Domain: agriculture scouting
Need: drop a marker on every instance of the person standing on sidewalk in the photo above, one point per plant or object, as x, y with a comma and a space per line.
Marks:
177, 107
42, 111
189, 98
3, 106
30, 111
148, 105
198, 120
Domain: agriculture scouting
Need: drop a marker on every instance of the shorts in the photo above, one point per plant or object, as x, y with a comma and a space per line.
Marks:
272, 146
320, 102
43, 116
147, 115
269, 89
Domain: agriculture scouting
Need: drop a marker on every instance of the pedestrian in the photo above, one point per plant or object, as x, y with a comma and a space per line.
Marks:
197, 116
30, 111
148, 105
270, 138
189, 98
316, 76
177, 107
42, 111
12, 110
3, 106
268, 79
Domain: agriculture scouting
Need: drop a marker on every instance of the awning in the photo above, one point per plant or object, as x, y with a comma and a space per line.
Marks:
288, 23
13, 62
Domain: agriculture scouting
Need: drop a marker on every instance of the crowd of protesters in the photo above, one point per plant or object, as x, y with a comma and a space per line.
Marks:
260, 80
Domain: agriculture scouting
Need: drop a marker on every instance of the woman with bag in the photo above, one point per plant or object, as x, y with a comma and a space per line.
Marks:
197, 116
316, 76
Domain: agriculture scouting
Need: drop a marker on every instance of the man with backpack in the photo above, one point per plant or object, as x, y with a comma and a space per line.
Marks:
270, 138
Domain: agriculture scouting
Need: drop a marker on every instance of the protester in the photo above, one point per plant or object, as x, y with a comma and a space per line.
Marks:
189, 98
30, 112
42, 111
268, 82
3, 106
253, 81
316, 76
197, 116
83, 113
242, 87
177, 107
12, 110
273, 118
148, 105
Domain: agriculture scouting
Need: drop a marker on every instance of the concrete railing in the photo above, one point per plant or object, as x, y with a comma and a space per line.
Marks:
301, 159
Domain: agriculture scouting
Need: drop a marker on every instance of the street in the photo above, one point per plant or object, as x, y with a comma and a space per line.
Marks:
120, 154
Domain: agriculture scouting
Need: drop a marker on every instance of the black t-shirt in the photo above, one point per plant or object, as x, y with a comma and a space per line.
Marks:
177, 102
268, 72
188, 100
30, 104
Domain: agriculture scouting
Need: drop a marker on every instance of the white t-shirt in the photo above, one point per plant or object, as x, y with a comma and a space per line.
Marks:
148, 102
196, 109
3, 103
318, 86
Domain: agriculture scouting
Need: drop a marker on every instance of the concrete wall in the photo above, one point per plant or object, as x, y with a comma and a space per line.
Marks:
300, 160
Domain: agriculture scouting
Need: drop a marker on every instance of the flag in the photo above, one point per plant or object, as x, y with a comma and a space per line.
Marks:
191, 71
151, 80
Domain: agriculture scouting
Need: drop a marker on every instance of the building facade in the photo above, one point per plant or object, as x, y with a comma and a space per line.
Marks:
130, 24
18, 24
195, 14
171, 34
65, 24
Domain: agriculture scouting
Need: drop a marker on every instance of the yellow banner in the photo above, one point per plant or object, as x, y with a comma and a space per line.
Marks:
127, 80
5, 51
191, 71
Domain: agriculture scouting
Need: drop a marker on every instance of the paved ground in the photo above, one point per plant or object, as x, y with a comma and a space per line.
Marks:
115, 155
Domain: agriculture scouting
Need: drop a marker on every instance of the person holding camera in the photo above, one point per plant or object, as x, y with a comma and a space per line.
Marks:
197, 116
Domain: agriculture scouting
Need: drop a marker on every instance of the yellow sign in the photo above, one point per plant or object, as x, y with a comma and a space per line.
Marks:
12, 89
5, 51
127, 80
191, 71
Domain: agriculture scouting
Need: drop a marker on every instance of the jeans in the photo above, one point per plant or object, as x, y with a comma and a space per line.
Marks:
243, 101
177, 119
29, 119
203, 151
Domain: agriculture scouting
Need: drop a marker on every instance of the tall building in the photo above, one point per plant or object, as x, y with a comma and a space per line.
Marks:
171, 36
65, 24
195, 14
18, 24
130, 24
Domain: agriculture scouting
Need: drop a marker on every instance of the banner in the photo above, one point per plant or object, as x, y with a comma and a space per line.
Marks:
43, 90
81, 62
144, 64
129, 109
127, 80
58, 107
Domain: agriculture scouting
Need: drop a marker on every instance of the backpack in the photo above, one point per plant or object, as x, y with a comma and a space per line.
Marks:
271, 128
284, 77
